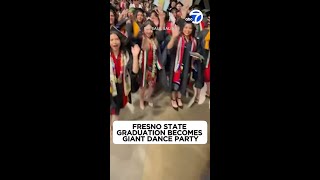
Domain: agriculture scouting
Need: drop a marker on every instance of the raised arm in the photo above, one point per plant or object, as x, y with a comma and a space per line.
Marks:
185, 9
160, 34
129, 29
135, 63
133, 68
123, 15
175, 35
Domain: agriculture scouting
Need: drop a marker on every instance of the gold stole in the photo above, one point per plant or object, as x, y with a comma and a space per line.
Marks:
136, 29
207, 41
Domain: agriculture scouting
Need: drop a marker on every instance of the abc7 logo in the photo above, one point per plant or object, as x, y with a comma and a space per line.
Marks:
196, 16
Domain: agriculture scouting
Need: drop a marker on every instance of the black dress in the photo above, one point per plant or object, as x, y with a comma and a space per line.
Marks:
117, 102
186, 71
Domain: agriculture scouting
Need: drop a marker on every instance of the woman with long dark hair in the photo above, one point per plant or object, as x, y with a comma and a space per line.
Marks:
173, 4
123, 73
113, 16
179, 47
149, 62
133, 26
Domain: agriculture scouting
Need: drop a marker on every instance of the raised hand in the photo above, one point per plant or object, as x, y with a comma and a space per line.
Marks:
160, 7
124, 13
135, 50
162, 15
175, 31
185, 9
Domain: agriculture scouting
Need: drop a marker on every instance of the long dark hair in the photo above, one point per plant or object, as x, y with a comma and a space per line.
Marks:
122, 42
146, 23
137, 10
115, 16
182, 23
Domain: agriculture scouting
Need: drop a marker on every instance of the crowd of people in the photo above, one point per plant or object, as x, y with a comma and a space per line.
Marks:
150, 45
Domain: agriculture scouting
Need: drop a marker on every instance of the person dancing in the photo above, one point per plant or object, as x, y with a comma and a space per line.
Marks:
149, 61
124, 67
179, 48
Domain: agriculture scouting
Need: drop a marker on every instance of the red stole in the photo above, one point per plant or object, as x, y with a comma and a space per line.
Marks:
117, 63
118, 70
182, 40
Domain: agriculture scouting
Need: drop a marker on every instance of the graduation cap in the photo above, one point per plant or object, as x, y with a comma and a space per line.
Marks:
122, 23
136, 10
122, 37
112, 8
182, 22
154, 6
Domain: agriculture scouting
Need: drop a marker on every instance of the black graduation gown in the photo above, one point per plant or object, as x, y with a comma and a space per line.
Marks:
201, 44
116, 102
185, 75
198, 73
200, 66
129, 30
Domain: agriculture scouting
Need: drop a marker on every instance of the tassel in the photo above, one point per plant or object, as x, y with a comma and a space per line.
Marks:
207, 41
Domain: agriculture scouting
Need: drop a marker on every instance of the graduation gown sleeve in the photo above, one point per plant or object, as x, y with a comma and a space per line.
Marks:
160, 35
129, 30
133, 76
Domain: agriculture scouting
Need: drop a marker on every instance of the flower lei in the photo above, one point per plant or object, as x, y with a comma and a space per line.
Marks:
155, 59
154, 62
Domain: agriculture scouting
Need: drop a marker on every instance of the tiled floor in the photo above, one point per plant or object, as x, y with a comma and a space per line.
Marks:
161, 162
